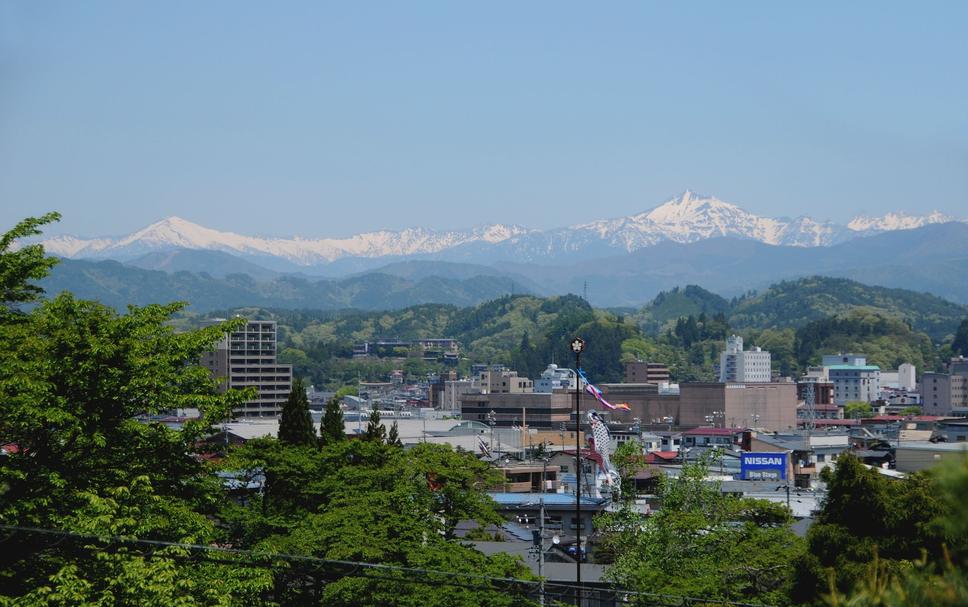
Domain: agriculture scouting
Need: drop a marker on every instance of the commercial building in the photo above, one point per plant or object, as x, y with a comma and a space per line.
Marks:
556, 378
531, 409
743, 366
502, 381
946, 393
853, 378
247, 358
640, 372
769, 406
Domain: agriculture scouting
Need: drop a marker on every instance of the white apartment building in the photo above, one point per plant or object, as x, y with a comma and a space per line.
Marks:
853, 378
743, 366
247, 358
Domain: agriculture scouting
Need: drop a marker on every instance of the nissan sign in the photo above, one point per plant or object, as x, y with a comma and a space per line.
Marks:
763, 462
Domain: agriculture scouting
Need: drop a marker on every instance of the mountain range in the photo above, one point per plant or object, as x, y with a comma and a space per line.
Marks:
684, 219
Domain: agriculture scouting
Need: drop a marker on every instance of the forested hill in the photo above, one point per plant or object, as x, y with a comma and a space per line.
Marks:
798, 302
528, 332
118, 285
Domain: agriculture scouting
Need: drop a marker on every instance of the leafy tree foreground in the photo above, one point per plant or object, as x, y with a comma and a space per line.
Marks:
76, 376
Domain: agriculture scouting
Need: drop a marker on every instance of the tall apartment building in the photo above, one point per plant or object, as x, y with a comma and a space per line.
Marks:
946, 393
743, 366
247, 358
640, 372
853, 378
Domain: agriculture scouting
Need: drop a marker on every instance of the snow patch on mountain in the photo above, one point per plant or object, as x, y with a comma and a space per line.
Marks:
686, 218
896, 221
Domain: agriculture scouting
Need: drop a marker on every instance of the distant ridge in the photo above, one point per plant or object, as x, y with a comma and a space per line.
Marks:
686, 218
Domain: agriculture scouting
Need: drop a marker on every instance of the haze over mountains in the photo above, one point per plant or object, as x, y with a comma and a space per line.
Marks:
621, 262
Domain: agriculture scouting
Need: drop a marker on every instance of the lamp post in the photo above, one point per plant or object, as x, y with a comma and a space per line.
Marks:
491, 420
578, 346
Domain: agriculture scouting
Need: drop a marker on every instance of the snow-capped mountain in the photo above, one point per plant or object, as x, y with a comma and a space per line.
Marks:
896, 221
175, 232
686, 218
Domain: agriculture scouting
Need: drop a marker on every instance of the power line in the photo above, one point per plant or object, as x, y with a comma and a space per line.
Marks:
372, 571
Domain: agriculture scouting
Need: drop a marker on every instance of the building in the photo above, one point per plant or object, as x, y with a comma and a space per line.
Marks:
853, 378
739, 366
946, 393
247, 359
769, 406
639, 372
705, 437
902, 378
823, 392
914, 456
556, 378
454, 389
519, 409
503, 381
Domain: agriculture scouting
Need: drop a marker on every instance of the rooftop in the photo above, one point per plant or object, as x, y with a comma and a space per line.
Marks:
854, 368
550, 499
710, 431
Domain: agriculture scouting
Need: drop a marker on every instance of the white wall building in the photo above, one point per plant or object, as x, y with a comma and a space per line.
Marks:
556, 378
853, 378
739, 366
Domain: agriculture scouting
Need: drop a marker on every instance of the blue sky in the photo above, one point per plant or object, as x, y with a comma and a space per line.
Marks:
326, 119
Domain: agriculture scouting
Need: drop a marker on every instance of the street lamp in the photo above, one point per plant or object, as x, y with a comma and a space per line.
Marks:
491, 420
578, 346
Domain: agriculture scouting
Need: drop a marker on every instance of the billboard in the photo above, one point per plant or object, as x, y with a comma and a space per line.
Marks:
772, 464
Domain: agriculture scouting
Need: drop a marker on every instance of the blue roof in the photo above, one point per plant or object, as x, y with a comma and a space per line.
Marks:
550, 499
854, 368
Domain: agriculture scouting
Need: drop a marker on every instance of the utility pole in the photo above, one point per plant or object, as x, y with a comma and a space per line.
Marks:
578, 346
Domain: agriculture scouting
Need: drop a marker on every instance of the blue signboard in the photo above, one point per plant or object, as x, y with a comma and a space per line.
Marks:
763, 462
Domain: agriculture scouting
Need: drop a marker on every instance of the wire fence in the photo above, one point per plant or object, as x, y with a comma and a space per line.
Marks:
314, 573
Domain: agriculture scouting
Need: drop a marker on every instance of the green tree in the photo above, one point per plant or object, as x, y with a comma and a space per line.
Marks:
866, 516
75, 377
629, 460
19, 267
960, 344
361, 500
703, 543
296, 423
332, 428
857, 409
374, 429
393, 438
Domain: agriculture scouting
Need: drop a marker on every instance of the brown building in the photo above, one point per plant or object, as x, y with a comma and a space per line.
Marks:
770, 406
532, 409
823, 392
639, 372
504, 382
645, 403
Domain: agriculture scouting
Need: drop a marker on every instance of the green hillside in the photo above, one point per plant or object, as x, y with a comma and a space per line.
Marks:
119, 285
796, 303
793, 304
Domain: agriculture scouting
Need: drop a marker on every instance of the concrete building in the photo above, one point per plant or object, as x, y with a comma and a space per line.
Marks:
946, 393
743, 366
914, 456
454, 389
524, 409
769, 406
853, 378
556, 378
640, 372
503, 381
902, 378
247, 358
